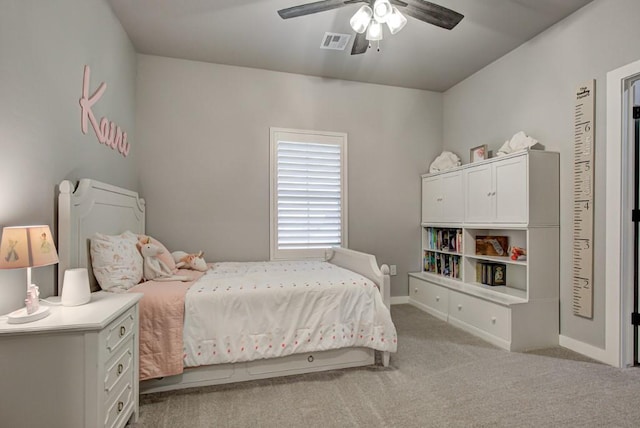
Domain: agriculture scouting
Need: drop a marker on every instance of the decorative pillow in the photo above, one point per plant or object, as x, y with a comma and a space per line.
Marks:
164, 256
116, 261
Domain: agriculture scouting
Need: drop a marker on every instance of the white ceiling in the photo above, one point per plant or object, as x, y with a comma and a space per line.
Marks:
250, 33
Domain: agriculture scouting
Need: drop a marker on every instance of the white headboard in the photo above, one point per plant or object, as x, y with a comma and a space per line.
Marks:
92, 207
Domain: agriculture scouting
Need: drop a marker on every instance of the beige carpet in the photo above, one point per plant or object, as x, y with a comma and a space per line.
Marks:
440, 377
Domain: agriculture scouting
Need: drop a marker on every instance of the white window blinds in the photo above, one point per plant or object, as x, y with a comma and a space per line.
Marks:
308, 193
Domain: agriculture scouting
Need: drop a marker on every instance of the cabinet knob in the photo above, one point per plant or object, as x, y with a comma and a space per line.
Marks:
123, 330
120, 369
489, 194
120, 406
415, 290
493, 320
459, 307
310, 358
437, 298
493, 193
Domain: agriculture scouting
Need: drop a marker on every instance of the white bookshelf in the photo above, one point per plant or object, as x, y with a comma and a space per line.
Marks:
516, 198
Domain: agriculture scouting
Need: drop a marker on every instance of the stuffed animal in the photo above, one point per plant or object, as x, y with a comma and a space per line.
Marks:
153, 267
518, 253
190, 261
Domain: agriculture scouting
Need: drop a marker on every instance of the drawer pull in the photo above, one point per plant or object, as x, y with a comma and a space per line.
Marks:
123, 330
493, 320
310, 358
459, 307
437, 298
120, 406
120, 368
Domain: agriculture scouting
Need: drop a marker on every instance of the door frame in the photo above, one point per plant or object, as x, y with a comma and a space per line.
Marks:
619, 228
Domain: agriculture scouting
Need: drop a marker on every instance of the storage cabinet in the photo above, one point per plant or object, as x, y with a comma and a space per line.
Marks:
442, 200
509, 201
516, 189
78, 367
497, 192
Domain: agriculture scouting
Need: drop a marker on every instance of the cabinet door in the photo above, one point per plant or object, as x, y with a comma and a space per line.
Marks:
510, 186
431, 200
479, 206
452, 199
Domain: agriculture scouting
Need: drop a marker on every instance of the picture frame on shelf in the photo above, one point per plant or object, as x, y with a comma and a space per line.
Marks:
478, 153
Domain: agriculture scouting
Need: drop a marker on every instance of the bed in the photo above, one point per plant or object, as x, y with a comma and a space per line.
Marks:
358, 332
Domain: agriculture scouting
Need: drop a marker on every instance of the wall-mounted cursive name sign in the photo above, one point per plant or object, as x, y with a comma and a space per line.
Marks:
107, 132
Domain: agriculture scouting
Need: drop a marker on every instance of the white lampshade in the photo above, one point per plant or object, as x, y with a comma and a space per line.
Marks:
374, 32
381, 10
396, 21
27, 247
75, 289
360, 20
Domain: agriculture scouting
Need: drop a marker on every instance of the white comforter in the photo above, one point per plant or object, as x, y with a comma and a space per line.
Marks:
248, 311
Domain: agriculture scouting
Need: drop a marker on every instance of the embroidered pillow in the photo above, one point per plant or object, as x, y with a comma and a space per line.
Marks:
116, 261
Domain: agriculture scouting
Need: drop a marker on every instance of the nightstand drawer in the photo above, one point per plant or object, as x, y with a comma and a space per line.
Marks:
120, 406
118, 367
120, 330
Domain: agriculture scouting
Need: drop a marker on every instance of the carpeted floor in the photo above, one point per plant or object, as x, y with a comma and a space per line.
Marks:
440, 377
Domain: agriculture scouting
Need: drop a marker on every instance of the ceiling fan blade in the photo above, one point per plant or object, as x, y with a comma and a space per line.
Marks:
315, 7
360, 44
430, 12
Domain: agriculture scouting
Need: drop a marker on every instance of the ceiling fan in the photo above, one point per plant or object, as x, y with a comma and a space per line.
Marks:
367, 21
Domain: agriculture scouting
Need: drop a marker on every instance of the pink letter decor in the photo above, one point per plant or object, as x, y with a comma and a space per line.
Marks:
108, 133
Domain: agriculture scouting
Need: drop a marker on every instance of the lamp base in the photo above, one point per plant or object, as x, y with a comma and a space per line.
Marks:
21, 316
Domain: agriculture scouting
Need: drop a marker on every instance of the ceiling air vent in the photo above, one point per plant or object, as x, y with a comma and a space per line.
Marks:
335, 41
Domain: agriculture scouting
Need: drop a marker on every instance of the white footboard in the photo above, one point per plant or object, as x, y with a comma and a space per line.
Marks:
364, 264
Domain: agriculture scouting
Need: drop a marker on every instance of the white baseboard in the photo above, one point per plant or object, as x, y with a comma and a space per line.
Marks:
399, 300
585, 349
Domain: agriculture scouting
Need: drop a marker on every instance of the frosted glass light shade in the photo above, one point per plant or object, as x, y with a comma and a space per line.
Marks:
75, 288
396, 21
381, 10
374, 32
360, 20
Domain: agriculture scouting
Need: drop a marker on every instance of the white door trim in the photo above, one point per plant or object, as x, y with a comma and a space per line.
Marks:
618, 214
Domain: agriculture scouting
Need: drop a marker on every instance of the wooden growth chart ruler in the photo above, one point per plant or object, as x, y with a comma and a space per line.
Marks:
583, 183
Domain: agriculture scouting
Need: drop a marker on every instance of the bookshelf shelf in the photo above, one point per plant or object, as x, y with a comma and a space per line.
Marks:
494, 259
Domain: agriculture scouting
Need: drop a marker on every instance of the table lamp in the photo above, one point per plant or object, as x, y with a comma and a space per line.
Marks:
27, 247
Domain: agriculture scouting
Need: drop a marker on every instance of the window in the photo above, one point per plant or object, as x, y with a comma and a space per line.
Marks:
308, 193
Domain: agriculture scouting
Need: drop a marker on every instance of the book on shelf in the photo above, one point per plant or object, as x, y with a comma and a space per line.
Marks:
442, 264
442, 239
492, 274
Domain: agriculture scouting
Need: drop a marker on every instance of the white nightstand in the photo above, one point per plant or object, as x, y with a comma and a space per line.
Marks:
78, 367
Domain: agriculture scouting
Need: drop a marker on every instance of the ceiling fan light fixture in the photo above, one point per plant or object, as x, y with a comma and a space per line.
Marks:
382, 10
360, 20
374, 32
396, 21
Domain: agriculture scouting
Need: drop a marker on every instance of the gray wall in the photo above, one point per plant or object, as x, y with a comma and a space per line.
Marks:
203, 134
44, 46
532, 89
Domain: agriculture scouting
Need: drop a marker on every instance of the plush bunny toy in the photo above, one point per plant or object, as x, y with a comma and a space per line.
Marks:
154, 268
190, 261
